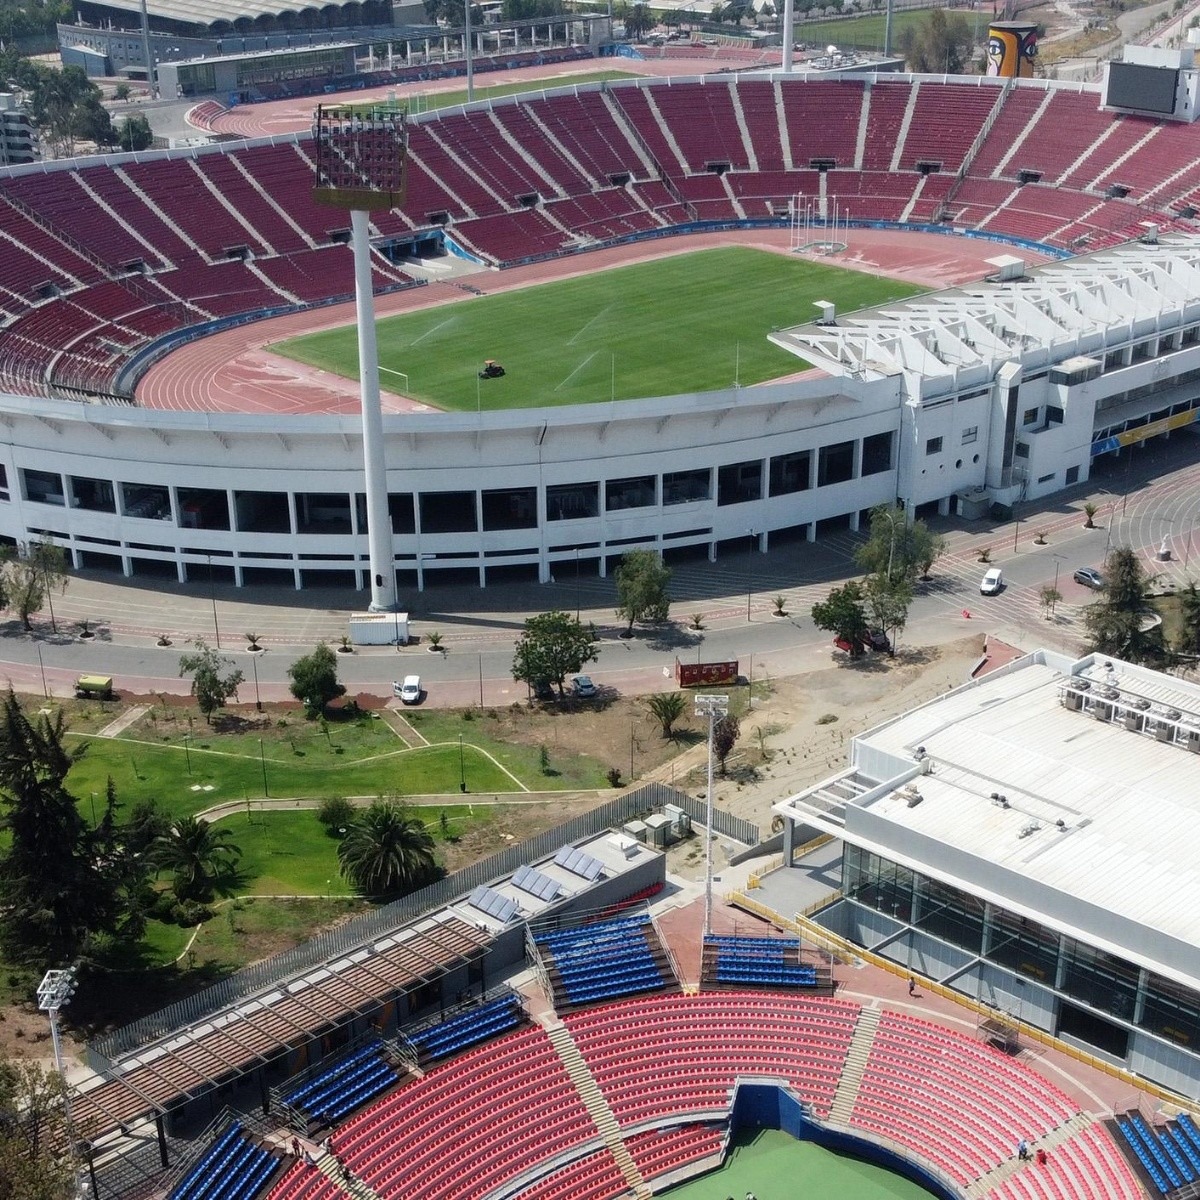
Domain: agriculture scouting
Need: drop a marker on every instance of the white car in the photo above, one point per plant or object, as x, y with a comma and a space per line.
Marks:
409, 691
992, 583
583, 686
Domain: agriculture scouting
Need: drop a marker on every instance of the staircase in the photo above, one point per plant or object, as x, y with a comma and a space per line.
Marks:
905, 124
597, 1106
864, 117
912, 200
162, 216
740, 114
1018, 142
784, 139
856, 1064
997, 1175
328, 1165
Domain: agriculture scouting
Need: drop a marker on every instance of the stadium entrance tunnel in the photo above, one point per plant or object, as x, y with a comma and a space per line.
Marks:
1081, 1024
763, 1105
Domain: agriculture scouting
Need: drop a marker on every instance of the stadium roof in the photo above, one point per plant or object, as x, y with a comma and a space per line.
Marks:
209, 12
1061, 309
1098, 835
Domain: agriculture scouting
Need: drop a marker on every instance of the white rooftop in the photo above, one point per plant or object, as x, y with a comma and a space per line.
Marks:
1100, 833
1054, 309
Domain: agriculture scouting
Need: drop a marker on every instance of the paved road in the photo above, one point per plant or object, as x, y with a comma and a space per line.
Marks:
1156, 498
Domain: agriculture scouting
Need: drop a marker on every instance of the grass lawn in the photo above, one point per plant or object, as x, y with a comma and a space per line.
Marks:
428, 102
241, 758
693, 322
866, 33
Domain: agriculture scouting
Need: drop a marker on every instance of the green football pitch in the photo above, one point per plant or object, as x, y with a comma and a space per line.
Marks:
774, 1166
688, 323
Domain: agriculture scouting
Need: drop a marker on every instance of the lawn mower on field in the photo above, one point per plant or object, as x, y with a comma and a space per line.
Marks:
491, 369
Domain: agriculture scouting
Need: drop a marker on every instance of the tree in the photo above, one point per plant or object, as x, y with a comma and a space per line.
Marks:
315, 682
1048, 597
888, 604
197, 854
53, 892
1189, 620
91, 122
387, 850
122, 91
1090, 509
842, 614
552, 646
896, 549
943, 42
1117, 623
726, 732
32, 1135
134, 133
28, 580
638, 21
209, 686
667, 708
642, 580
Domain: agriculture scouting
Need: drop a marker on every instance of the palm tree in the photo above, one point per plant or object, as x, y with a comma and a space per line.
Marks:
195, 853
387, 850
666, 708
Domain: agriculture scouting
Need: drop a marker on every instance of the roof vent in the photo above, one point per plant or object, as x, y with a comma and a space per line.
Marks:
1061, 824
912, 797
1026, 830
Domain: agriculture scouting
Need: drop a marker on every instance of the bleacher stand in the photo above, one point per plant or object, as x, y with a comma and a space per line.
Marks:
235, 1167
604, 960
469, 1028
755, 962
349, 1082
1169, 1155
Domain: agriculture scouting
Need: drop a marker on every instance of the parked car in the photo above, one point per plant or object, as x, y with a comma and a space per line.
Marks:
1089, 577
878, 640
851, 646
992, 583
409, 691
583, 687
543, 689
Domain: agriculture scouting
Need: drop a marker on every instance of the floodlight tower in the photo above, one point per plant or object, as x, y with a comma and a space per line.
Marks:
362, 159
714, 708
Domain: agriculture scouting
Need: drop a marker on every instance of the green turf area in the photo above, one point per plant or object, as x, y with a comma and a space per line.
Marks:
299, 758
428, 102
690, 323
772, 1165
866, 33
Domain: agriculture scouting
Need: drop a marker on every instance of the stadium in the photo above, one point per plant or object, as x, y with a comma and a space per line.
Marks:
122, 275
536, 1028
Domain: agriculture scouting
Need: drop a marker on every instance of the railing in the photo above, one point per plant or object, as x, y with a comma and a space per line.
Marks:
362, 930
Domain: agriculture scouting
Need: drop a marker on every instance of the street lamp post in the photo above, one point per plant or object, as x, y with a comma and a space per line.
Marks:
462, 767
42, 668
750, 582
212, 594
257, 698
54, 993
577, 595
714, 708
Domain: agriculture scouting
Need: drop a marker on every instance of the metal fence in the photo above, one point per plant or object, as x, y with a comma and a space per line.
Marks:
347, 937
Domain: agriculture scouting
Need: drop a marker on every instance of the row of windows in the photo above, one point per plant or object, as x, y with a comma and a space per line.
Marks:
1101, 980
465, 511
969, 434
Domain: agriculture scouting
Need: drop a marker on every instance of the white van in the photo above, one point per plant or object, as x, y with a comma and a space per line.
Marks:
409, 691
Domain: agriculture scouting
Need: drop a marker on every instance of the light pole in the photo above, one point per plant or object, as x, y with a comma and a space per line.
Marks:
577, 595
714, 708
891, 516
750, 583
55, 992
212, 594
462, 767
262, 758
257, 698
49, 593
42, 668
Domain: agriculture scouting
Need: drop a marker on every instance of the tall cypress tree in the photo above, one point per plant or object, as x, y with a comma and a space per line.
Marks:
53, 890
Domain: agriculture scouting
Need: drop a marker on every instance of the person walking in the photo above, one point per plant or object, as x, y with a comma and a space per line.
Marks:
912, 986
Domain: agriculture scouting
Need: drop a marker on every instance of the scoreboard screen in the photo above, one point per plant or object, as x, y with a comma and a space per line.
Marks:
1147, 89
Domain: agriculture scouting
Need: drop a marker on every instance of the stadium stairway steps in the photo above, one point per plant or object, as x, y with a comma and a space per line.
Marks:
446, 145
912, 200
152, 252
277, 288
902, 137
737, 204
1010, 1166
856, 1063
1109, 172
740, 114
1087, 152
553, 139
1002, 165
860, 143
328, 1165
284, 215
593, 1098
668, 135
784, 141
252, 234
623, 123
549, 186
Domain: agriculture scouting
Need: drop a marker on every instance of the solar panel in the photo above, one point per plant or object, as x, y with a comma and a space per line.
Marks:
531, 880
490, 901
579, 862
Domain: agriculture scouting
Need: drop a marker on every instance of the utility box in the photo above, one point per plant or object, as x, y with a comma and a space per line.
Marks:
658, 830
681, 823
635, 829
379, 629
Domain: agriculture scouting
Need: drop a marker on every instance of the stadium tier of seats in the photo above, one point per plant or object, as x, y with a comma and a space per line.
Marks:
306, 1182
349, 1082
755, 962
233, 1168
1170, 1154
456, 1034
604, 960
148, 247
661, 1151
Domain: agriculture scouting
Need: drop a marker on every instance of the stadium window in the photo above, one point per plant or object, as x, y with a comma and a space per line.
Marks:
789, 473
1022, 450
637, 492
1046, 478
1171, 1010
1030, 417
835, 464
1072, 476
685, 487
1099, 979
571, 501
739, 483
1024, 946
933, 446
970, 434
877, 454
448, 512
510, 508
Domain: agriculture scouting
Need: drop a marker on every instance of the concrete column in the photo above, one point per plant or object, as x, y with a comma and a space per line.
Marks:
789, 841
856, 468
944, 506
1139, 1003
383, 591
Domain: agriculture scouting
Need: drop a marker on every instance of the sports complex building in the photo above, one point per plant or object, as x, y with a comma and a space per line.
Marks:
986, 395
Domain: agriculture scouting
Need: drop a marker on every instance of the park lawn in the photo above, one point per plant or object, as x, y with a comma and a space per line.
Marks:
866, 32
285, 854
146, 771
689, 323
418, 103
568, 771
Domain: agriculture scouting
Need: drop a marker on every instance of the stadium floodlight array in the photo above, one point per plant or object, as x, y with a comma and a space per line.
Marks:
361, 157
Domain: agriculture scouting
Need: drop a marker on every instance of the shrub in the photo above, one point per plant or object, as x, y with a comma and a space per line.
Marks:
613, 775
335, 813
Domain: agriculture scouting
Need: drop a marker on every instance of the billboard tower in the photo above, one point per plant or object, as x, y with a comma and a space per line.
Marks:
361, 159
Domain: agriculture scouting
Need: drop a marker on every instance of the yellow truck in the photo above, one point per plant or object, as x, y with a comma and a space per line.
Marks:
94, 687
